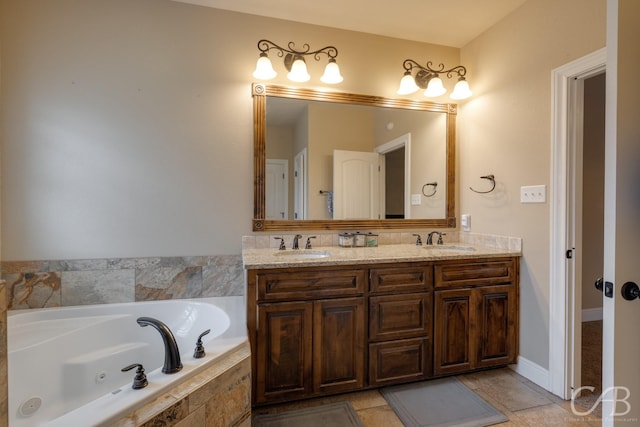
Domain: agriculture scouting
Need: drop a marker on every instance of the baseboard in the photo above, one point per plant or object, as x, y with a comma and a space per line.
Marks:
591, 314
533, 372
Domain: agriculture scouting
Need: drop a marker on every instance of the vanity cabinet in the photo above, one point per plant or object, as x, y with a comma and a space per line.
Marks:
309, 332
400, 323
321, 330
476, 312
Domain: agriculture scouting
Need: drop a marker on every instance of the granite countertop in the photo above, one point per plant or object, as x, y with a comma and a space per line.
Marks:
335, 255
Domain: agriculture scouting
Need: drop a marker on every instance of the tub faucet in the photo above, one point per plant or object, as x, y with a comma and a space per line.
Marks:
172, 362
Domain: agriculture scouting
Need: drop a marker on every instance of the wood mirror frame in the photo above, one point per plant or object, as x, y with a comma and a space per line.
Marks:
260, 93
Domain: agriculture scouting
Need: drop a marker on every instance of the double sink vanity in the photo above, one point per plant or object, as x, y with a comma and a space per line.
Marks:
331, 319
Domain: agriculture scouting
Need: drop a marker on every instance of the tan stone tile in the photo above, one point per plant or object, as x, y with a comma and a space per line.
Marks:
512, 393
366, 399
379, 416
553, 415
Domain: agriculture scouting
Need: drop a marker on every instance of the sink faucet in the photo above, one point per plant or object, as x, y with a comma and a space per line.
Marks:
295, 241
430, 237
172, 362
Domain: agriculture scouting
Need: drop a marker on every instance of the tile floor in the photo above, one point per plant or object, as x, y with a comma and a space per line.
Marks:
525, 403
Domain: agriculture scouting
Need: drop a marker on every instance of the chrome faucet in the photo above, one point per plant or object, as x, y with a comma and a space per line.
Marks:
430, 237
172, 363
295, 241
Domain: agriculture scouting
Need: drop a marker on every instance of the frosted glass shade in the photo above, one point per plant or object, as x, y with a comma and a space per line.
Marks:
264, 68
435, 88
461, 90
331, 73
407, 85
298, 71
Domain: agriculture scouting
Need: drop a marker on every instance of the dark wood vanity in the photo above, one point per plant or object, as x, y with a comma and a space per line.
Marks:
324, 329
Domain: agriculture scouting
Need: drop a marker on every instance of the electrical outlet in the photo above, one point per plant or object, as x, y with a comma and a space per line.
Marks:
416, 199
533, 194
465, 222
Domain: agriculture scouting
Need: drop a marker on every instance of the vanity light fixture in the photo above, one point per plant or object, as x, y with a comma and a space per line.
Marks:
294, 62
428, 78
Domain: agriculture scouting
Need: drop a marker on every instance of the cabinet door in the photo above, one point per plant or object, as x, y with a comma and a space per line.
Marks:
284, 347
399, 361
399, 316
454, 319
339, 344
496, 334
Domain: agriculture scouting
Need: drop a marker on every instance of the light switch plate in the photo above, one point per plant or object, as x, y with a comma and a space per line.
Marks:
465, 222
533, 194
416, 199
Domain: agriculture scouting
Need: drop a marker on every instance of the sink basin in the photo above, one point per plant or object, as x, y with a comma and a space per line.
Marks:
451, 248
302, 254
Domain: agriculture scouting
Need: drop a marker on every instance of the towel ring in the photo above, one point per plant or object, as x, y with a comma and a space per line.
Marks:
434, 184
493, 186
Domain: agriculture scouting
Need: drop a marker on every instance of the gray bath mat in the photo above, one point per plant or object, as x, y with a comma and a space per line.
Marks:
442, 402
339, 414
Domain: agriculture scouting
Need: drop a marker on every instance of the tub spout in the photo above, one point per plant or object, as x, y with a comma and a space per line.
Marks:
172, 362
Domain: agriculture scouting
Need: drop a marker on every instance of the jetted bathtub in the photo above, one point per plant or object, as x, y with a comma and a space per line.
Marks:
65, 363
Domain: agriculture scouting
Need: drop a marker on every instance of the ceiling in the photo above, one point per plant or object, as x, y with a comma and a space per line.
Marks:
445, 22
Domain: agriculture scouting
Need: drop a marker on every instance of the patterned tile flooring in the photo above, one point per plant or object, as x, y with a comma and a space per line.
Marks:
525, 403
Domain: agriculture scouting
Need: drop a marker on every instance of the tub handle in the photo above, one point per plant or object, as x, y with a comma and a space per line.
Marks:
140, 380
199, 351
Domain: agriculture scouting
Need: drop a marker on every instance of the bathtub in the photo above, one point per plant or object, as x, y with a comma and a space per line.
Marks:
65, 363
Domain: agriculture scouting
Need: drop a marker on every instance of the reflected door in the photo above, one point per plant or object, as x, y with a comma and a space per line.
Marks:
277, 190
356, 185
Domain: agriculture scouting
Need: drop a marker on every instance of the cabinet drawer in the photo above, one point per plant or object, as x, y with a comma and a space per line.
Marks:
408, 278
481, 273
309, 284
399, 361
399, 316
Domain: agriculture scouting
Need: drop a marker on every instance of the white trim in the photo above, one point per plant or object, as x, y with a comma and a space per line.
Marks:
561, 301
394, 144
591, 314
532, 371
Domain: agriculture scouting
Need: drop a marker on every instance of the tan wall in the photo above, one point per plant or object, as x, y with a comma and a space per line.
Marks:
505, 130
128, 123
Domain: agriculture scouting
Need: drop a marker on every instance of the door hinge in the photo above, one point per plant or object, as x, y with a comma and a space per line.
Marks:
569, 253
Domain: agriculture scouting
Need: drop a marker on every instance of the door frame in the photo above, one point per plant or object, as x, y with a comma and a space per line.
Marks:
564, 308
394, 144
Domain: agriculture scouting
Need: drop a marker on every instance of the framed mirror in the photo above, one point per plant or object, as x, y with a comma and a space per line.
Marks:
341, 161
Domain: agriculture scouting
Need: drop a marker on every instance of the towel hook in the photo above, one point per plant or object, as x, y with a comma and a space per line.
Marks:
493, 186
434, 184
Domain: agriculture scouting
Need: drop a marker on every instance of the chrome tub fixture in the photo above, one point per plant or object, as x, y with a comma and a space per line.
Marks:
294, 62
428, 78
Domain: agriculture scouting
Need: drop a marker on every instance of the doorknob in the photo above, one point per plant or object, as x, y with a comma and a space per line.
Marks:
630, 291
599, 284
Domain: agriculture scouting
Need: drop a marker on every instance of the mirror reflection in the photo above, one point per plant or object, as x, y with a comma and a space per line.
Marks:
343, 161
325, 160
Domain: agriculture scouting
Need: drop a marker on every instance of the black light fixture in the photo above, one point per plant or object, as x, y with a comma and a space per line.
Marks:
295, 63
428, 78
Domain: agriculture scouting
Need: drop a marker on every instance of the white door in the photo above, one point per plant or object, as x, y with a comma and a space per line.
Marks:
300, 185
277, 191
621, 325
356, 186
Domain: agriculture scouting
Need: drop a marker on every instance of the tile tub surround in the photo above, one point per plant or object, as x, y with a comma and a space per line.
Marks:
59, 283
483, 247
218, 397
